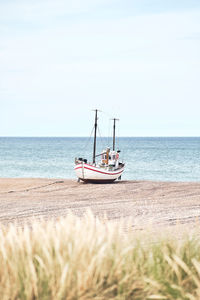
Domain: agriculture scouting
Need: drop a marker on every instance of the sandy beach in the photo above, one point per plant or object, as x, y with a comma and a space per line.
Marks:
144, 202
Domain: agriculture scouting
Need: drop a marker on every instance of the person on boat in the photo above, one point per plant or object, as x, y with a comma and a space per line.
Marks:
105, 156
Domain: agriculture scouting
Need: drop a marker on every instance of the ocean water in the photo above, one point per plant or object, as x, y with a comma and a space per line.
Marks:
166, 159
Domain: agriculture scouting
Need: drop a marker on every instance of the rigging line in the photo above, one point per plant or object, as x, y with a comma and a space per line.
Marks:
118, 138
108, 138
109, 132
100, 135
89, 139
120, 144
107, 114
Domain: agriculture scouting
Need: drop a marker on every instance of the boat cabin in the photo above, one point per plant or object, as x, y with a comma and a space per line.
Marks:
110, 158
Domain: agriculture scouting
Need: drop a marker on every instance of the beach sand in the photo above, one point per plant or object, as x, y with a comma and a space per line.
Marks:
143, 202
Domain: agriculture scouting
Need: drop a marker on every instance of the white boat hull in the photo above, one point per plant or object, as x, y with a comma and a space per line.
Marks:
91, 173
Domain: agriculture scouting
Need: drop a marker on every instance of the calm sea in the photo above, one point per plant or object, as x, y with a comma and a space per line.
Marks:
168, 159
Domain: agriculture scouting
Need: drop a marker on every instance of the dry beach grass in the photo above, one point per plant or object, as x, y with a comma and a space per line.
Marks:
85, 258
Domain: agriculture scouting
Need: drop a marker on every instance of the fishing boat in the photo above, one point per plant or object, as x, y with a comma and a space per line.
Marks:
107, 170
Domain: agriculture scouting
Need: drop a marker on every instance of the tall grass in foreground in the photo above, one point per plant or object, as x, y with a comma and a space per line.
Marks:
88, 259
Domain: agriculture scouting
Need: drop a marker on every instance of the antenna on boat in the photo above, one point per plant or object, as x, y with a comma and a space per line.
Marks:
114, 120
95, 135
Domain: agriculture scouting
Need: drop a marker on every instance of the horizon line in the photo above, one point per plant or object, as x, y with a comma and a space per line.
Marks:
139, 136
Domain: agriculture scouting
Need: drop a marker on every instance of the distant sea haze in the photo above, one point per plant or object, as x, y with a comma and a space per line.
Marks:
157, 158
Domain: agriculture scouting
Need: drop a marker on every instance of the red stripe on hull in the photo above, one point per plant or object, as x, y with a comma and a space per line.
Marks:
98, 171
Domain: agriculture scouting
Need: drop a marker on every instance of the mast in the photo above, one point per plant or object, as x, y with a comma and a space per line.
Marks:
114, 132
95, 136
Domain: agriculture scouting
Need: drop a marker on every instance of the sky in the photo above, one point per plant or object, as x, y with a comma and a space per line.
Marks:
136, 60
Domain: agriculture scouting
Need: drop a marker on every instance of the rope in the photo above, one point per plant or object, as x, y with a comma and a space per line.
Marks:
119, 143
88, 140
109, 132
101, 138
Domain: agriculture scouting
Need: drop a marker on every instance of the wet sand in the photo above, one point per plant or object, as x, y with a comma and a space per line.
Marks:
144, 202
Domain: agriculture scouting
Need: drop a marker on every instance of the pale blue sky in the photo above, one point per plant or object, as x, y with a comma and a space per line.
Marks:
137, 60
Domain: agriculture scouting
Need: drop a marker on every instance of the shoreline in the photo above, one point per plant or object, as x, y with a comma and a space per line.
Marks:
157, 203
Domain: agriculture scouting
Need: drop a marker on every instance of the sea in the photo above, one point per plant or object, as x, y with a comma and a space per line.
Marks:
146, 158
